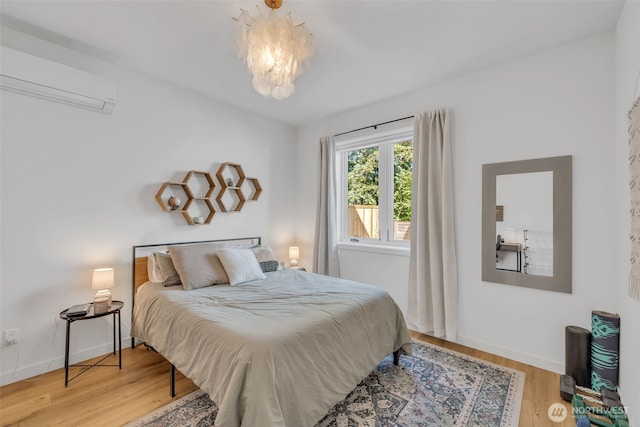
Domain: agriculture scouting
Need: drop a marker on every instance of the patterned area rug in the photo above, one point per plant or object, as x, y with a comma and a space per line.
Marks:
434, 387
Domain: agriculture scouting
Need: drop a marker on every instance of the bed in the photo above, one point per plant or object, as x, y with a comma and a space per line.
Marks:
277, 351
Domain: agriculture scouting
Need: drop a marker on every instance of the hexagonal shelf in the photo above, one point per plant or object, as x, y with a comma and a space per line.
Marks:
230, 199
178, 190
253, 189
200, 211
231, 177
200, 183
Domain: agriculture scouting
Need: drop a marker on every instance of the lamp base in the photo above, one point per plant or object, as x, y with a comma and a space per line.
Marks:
293, 263
102, 294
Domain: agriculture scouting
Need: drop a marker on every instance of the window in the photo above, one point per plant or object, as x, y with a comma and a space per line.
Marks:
375, 187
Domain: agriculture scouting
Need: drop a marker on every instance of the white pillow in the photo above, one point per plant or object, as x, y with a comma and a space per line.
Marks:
241, 265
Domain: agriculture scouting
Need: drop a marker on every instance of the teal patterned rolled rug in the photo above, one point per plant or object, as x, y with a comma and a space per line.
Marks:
605, 346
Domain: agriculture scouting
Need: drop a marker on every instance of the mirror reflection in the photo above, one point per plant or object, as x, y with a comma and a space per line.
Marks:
524, 223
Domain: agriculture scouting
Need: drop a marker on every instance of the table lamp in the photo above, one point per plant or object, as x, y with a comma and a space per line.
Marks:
101, 281
294, 254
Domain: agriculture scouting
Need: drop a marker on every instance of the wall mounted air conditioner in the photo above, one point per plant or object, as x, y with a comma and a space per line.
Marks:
34, 76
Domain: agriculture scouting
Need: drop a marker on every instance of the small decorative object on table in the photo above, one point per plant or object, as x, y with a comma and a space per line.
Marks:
79, 310
100, 305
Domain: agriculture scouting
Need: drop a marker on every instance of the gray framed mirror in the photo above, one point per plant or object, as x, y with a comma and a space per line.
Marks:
527, 223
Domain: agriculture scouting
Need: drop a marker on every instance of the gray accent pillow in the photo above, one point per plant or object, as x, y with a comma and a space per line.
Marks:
198, 265
164, 269
268, 266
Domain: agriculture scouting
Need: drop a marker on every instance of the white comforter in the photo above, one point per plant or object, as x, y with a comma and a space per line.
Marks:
275, 352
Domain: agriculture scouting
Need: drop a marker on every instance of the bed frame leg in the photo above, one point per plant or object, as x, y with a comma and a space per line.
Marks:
396, 357
173, 381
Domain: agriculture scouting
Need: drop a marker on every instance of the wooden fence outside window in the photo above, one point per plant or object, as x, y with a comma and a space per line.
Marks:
364, 223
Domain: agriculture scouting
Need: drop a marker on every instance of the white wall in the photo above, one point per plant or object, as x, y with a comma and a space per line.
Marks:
78, 191
627, 85
558, 102
389, 270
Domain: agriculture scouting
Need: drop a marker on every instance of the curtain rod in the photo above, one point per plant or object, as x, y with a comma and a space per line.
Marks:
375, 126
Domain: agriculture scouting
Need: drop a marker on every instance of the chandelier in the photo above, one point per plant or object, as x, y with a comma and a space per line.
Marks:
274, 49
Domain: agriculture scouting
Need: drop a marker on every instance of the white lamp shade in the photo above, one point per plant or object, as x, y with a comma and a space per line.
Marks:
294, 252
102, 278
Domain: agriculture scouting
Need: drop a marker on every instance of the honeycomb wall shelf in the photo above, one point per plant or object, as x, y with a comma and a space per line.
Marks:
196, 188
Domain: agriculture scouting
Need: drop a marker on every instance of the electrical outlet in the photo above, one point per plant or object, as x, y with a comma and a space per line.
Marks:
11, 336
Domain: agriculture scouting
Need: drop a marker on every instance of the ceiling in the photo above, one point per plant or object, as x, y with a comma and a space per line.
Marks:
366, 51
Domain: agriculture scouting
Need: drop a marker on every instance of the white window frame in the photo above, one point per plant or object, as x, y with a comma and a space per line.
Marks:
385, 142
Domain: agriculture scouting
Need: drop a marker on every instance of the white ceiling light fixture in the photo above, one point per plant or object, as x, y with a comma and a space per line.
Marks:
274, 49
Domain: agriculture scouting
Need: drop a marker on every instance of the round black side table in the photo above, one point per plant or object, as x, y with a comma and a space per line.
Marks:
114, 310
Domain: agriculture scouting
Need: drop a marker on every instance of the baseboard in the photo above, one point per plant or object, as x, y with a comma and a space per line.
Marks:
24, 372
529, 359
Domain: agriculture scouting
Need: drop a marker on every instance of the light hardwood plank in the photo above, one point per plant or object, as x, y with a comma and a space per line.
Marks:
28, 406
108, 396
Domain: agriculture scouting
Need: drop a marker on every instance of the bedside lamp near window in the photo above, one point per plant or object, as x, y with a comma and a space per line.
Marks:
102, 280
294, 254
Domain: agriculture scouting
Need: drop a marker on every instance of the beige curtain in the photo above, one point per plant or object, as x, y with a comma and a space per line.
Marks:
326, 239
634, 169
433, 277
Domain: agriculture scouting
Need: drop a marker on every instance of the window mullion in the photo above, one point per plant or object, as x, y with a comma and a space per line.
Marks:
385, 204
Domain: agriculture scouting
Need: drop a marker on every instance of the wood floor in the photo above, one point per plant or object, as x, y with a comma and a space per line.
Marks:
111, 397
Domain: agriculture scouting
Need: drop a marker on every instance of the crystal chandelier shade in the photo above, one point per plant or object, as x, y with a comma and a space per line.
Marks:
275, 51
